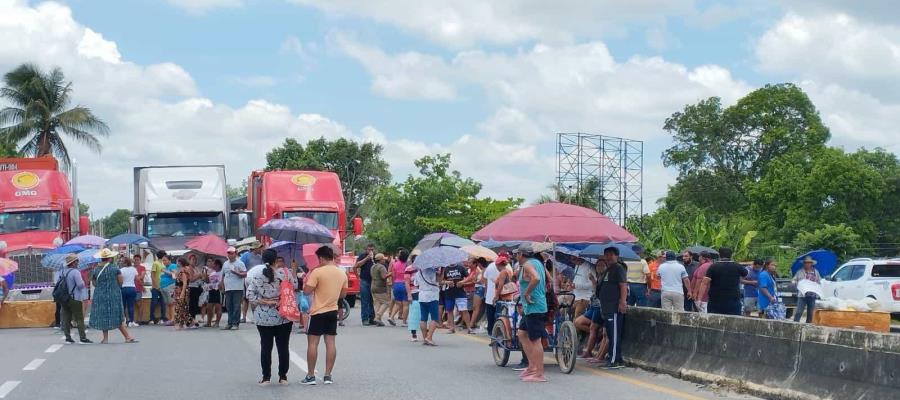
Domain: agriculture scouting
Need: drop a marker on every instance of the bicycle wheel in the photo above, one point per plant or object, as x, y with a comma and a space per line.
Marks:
500, 347
345, 309
566, 347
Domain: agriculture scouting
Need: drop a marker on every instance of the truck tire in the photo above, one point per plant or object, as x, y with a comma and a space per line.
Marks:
351, 299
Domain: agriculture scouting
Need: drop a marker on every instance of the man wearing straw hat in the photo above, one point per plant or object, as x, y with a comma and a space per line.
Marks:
71, 309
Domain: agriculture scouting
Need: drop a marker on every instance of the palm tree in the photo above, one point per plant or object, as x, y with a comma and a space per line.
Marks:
38, 117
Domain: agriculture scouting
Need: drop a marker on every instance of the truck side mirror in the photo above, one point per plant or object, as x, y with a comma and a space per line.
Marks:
357, 226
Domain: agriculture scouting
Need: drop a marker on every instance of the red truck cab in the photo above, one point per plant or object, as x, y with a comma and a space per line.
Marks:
311, 194
37, 213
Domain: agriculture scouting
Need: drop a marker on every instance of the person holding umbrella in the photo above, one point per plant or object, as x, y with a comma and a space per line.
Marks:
107, 312
264, 291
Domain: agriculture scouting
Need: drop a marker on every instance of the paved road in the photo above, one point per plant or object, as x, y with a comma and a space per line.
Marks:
373, 364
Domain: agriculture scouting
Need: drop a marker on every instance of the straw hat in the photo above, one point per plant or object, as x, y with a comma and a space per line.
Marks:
71, 258
255, 245
809, 259
106, 253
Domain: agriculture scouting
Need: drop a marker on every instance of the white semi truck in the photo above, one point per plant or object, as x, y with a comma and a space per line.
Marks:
173, 204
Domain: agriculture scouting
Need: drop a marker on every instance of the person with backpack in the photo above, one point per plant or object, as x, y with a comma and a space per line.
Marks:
69, 292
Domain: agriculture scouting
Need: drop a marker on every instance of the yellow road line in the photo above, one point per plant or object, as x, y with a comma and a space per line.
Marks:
636, 382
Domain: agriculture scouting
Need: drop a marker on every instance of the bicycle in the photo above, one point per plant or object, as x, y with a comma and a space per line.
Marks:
561, 339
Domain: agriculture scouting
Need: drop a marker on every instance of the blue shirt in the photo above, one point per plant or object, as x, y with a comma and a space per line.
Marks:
750, 290
765, 281
166, 280
538, 294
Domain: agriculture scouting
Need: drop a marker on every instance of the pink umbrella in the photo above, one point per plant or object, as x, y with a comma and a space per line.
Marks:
554, 222
209, 244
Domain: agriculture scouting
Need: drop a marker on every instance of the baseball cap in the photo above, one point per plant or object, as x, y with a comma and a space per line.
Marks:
501, 260
231, 250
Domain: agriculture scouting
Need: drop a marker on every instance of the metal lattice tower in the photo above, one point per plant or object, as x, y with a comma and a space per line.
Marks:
603, 172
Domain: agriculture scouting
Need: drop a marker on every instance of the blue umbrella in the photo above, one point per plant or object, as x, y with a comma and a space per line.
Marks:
66, 249
86, 258
438, 257
596, 250
495, 245
826, 261
54, 261
127, 238
296, 230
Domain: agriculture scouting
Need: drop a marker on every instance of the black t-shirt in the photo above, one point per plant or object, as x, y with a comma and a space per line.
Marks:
455, 273
609, 291
365, 272
725, 280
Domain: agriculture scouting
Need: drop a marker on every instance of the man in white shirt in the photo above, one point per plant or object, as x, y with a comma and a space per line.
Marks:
232, 286
674, 279
490, 275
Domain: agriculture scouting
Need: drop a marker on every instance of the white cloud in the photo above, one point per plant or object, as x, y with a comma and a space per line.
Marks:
834, 48
462, 23
255, 81
202, 6
292, 45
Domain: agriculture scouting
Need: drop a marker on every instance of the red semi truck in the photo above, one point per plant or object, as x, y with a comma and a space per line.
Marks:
38, 212
311, 194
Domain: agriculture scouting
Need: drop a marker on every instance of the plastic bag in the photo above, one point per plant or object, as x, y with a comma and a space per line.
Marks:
303, 302
287, 307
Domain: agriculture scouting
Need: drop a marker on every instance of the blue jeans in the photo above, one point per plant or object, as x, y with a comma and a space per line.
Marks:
129, 295
637, 294
805, 302
367, 308
156, 299
655, 299
233, 304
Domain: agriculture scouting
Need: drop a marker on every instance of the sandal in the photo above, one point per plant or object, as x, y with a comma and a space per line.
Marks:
132, 340
264, 382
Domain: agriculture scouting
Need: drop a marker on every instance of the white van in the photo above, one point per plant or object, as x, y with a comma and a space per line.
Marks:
864, 277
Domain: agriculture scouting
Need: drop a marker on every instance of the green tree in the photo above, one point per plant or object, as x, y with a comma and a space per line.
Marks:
841, 239
680, 229
83, 208
116, 223
804, 191
234, 192
437, 199
39, 115
587, 195
360, 167
719, 150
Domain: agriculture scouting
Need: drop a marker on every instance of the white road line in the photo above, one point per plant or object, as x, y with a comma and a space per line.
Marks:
34, 364
7, 387
300, 362
53, 348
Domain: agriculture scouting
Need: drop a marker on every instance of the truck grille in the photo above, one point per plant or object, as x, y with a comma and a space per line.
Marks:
30, 272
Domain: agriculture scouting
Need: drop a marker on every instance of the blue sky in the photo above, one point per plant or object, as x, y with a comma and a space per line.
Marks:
222, 81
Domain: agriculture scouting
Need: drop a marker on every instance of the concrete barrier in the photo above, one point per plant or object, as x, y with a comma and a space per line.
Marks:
774, 359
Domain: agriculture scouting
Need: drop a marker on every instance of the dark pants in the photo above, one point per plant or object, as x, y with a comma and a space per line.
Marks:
367, 307
689, 305
232, 302
491, 313
805, 302
56, 314
613, 325
70, 312
129, 295
724, 307
194, 300
637, 294
281, 336
655, 299
157, 300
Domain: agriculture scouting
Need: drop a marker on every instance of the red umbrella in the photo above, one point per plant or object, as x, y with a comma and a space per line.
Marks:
554, 222
209, 244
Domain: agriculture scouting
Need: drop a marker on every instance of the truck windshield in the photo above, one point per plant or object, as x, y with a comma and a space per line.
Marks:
329, 219
185, 224
13, 222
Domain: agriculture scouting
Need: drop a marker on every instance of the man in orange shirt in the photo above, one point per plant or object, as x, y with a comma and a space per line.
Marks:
327, 284
654, 295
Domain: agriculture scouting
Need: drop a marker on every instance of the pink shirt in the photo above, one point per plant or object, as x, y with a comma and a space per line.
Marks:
398, 269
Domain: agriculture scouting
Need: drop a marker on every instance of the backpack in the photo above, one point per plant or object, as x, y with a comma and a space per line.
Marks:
61, 292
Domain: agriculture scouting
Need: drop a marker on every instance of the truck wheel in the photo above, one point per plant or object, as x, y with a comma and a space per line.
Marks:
351, 300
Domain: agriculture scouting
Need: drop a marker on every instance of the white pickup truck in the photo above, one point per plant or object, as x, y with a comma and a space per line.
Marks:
864, 277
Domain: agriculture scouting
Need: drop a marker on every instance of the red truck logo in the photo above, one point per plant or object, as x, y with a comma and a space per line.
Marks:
303, 181
25, 181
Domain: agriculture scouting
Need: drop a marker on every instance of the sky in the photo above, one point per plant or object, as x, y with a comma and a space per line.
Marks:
490, 82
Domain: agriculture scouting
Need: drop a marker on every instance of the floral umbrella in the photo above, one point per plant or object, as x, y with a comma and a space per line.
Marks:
439, 257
